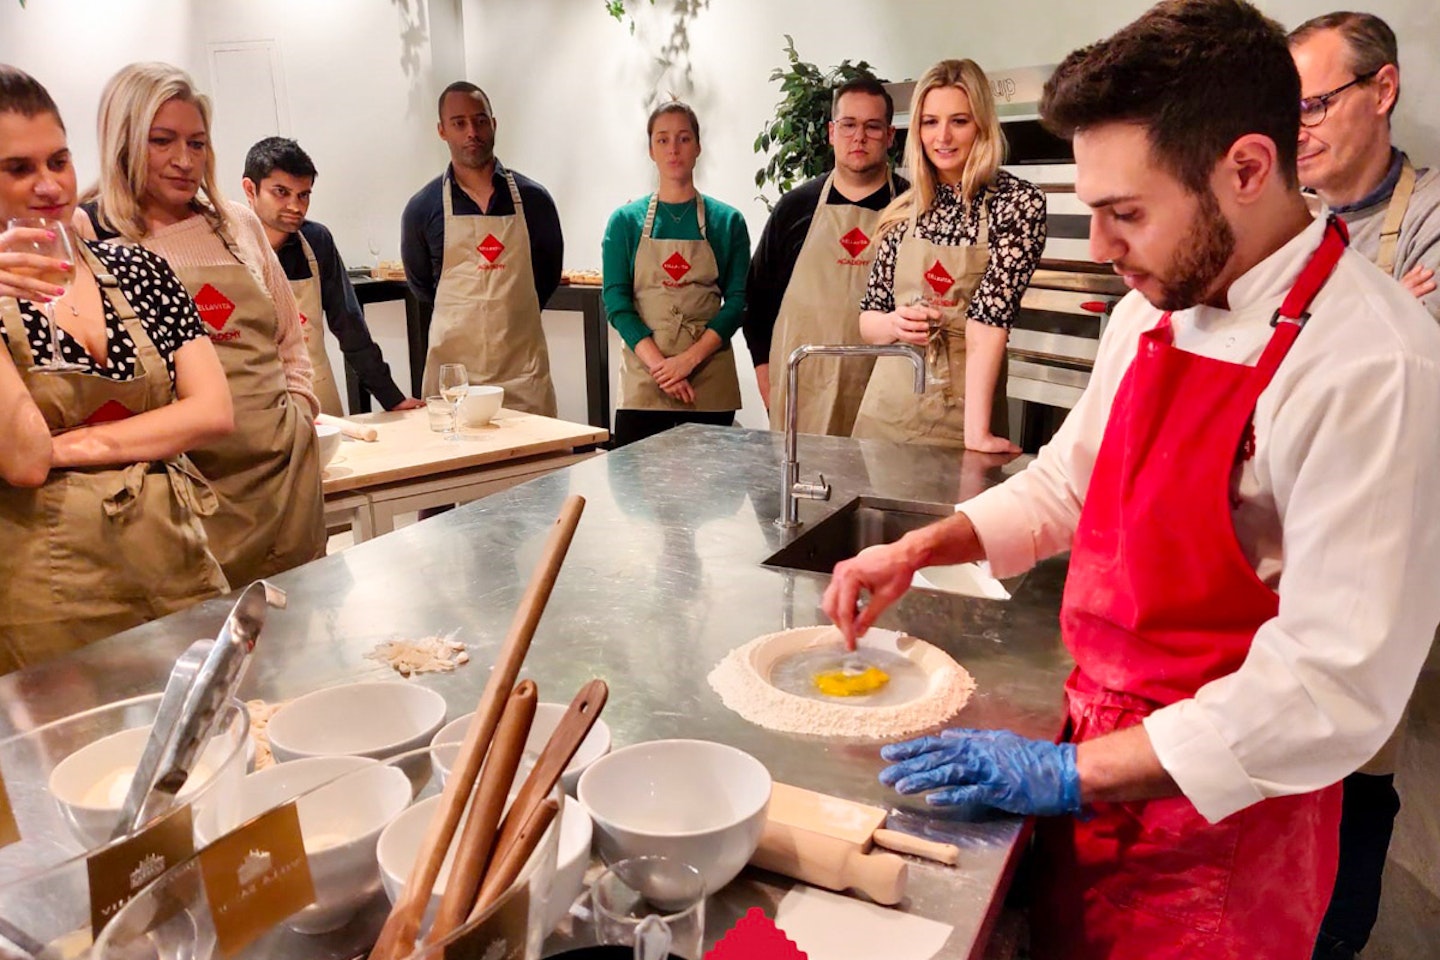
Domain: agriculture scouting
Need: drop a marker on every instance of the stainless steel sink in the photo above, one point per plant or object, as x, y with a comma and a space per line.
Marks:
863, 522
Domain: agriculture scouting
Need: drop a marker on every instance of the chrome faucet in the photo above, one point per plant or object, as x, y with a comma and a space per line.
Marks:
792, 487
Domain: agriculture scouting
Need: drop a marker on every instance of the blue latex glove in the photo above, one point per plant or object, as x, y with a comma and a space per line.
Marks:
978, 770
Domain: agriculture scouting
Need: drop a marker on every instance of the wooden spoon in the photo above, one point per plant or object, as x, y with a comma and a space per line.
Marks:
572, 729
477, 839
397, 938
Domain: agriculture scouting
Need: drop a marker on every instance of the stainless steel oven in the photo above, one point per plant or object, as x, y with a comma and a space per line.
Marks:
1063, 311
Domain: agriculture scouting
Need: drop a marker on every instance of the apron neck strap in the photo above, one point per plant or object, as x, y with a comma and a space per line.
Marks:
14, 325
514, 190
825, 191
647, 232
309, 252
1394, 214
1313, 275
982, 232
109, 286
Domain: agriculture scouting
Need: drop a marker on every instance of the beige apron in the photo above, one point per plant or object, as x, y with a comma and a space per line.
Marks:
1394, 215
267, 472
98, 550
945, 277
1384, 761
677, 292
822, 306
487, 315
312, 322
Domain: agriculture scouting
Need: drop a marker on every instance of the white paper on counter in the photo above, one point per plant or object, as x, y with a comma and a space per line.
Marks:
969, 579
829, 926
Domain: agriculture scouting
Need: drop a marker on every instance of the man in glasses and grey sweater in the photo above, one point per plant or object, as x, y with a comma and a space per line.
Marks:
1350, 81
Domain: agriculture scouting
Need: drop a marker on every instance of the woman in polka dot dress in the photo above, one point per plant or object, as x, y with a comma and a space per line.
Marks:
158, 191
99, 525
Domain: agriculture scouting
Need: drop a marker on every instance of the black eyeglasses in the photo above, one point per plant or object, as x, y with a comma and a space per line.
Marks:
1313, 109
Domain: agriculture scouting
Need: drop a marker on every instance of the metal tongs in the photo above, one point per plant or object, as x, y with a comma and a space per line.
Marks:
203, 680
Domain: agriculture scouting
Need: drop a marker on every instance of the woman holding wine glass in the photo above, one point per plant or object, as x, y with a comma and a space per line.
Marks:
954, 256
157, 191
99, 507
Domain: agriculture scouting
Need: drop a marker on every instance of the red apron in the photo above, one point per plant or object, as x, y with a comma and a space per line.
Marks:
1160, 600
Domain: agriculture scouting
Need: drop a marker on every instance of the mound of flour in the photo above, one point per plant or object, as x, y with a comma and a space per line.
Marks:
744, 690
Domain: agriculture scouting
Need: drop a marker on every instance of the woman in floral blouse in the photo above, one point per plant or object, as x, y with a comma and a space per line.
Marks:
956, 252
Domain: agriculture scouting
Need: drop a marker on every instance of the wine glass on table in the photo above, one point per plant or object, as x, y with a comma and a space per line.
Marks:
454, 385
61, 249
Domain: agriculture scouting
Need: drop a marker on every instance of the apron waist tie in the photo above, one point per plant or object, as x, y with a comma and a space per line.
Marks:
189, 486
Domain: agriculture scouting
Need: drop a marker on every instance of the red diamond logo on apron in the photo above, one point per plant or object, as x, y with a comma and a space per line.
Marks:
490, 248
854, 242
939, 278
215, 308
109, 412
677, 266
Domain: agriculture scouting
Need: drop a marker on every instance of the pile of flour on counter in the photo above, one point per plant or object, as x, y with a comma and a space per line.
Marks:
744, 690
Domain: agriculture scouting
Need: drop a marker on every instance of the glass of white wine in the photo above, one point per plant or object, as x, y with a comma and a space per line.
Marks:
454, 385
59, 248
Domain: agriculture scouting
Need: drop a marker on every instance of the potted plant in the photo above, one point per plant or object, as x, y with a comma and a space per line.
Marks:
796, 138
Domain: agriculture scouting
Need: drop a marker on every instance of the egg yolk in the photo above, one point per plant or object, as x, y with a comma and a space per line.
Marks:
838, 683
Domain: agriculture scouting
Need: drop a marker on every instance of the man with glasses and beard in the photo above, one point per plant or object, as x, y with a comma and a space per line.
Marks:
1245, 492
809, 271
1350, 79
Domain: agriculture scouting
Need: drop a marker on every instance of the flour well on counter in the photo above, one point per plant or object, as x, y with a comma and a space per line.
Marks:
745, 690
427, 655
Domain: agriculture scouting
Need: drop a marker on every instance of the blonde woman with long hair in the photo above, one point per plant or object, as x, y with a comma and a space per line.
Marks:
956, 251
157, 190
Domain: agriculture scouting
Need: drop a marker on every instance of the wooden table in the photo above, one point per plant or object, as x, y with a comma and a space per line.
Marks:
411, 467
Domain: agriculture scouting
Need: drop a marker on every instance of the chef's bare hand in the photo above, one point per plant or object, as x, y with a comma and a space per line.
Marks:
409, 403
12, 259
911, 323
884, 572
1419, 280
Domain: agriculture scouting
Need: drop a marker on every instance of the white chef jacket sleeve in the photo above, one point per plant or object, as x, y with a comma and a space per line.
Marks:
1352, 454
1033, 515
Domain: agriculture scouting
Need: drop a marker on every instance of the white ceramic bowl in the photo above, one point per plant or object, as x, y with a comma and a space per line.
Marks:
699, 802
90, 784
344, 803
481, 404
400, 841
446, 745
376, 720
329, 440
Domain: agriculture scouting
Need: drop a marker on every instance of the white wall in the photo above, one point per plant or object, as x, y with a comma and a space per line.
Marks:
570, 86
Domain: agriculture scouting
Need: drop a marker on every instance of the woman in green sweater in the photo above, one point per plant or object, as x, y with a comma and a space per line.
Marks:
675, 264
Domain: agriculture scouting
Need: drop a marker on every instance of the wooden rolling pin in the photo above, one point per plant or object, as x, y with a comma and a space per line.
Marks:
356, 431
831, 862
946, 853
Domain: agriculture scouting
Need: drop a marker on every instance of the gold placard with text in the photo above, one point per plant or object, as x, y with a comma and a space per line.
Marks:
9, 829
255, 877
500, 936
118, 873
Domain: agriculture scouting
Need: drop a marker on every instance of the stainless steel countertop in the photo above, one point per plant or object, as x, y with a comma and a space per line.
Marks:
663, 579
